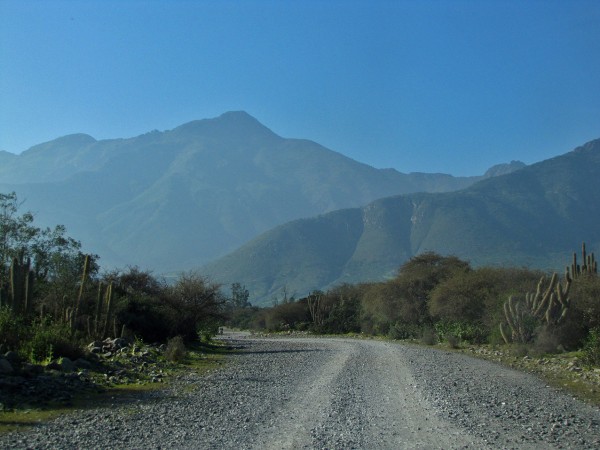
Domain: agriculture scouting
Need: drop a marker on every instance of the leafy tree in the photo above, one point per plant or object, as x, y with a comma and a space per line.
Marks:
462, 297
383, 304
240, 296
134, 281
424, 272
56, 259
344, 313
416, 280
16, 232
199, 304
287, 316
140, 304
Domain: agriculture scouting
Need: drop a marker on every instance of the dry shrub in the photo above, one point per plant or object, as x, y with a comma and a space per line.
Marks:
175, 350
546, 341
453, 341
428, 337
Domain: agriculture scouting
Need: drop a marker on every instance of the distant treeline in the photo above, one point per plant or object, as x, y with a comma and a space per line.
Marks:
54, 301
442, 298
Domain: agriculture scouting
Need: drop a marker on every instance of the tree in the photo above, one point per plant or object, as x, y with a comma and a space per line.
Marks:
416, 280
462, 297
344, 314
239, 296
16, 232
49, 262
199, 305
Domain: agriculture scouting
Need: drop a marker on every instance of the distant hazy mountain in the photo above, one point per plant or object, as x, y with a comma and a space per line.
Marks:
503, 169
174, 200
536, 216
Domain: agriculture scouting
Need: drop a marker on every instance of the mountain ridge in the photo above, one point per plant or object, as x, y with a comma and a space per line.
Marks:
535, 216
176, 199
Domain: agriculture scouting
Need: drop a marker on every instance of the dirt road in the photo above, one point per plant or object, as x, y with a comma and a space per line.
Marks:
336, 393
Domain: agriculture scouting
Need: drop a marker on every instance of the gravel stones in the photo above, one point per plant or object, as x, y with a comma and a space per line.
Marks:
334, 393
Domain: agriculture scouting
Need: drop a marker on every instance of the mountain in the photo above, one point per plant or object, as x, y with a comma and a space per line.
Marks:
503, 169
536, 216
176, 199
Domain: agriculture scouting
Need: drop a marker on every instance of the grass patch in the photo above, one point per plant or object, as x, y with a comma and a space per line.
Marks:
22, 420
578, 388
199, 359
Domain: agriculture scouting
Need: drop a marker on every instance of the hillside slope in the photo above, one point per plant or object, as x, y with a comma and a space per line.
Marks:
536, 216
176, 199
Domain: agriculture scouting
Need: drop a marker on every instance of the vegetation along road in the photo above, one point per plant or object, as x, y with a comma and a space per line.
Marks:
335, 393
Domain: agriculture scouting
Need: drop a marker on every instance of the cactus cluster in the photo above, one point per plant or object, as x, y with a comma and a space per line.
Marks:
108, 313
589, 264
93, 317
84, 277
17, 292
315, 307
547, 306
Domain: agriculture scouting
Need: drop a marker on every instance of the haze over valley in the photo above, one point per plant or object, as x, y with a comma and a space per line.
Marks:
229, 197
175, 200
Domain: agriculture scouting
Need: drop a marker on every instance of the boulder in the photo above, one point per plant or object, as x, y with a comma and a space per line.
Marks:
120, 343
67, 365
83, 364
12, 357
5, 366
53, 365
32, 370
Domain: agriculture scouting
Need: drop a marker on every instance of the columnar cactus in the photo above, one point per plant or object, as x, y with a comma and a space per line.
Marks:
589, 264
546, 307
20, 286
84, 276
98, 310
108, 301
315, 307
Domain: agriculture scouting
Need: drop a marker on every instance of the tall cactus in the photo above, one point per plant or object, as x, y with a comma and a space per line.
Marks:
98, 310
84, 276
315, 307
547, 306
108, 301
589, 265
20, 286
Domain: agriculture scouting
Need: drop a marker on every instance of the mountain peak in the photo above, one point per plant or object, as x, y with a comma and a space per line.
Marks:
231, 123
504, 169
591, 146
68, 141
236, 115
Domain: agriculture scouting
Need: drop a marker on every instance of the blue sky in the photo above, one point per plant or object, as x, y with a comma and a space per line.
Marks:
431, 86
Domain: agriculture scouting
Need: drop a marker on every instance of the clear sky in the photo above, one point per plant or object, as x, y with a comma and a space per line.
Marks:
431, 86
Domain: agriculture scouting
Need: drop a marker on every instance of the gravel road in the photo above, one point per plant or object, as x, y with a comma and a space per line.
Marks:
334, 393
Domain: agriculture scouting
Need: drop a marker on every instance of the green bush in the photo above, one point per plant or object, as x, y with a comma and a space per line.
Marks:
591, 349
287, 316
473, 333
585, 298
344, 310
147, 317
50, 340
12, 330
403, 330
